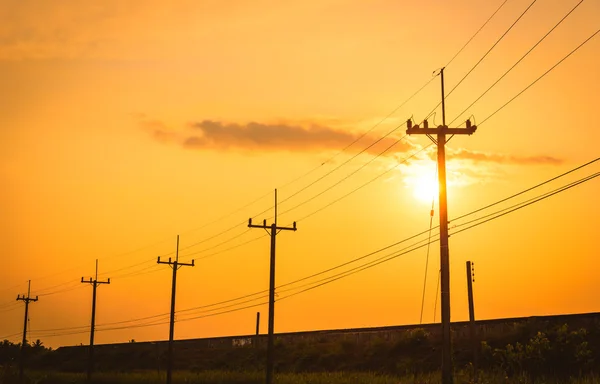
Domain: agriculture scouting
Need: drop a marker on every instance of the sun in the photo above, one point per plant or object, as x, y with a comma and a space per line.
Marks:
425, 187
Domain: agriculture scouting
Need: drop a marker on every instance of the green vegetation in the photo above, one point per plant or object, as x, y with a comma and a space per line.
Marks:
514, 352
223, 377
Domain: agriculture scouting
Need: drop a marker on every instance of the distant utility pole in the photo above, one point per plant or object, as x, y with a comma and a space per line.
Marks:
95, 284
175, 265
257, 327
441, 132
273, 230
473, 331
27, 300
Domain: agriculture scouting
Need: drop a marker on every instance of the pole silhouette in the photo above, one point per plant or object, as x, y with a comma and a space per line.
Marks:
95, 282
27, 300
472, 329
175, 265
438, 136
257, 328
273, 229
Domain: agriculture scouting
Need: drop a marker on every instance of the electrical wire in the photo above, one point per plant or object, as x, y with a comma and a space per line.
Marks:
518, 61
9, 336
427, 257
539, 78
476, 33
303, 175
437, 291
341, 165
526, 190
484, 56
346, 177
532, 201
332, 186
367, 183
369, 264
318, 167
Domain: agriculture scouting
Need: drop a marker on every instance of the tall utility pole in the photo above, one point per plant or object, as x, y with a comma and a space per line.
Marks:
473, 332
95, 284
273, 230
175, 265
27, 300
441, 132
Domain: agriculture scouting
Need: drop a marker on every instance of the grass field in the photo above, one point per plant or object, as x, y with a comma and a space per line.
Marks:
223, 377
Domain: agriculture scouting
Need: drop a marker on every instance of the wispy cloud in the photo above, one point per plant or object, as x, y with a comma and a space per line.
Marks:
475, 156
272, 137
312, 137
218, 135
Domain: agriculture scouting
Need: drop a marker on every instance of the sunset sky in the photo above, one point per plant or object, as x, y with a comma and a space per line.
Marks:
127, 123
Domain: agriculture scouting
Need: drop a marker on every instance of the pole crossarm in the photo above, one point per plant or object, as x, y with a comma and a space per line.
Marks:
275, 227
443, 129
95, 283
90, 281
26, 299
176, 263
438, 136
273, 230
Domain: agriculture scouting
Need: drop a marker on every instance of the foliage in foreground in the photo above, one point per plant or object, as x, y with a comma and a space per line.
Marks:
225, 377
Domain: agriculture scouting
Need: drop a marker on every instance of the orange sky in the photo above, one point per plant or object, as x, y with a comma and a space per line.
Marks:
127, 123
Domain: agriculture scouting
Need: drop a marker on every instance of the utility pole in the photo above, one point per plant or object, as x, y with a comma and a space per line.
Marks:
257, 327
473, 331
273, 230
27, 300
95, 284
175, 265
438, 136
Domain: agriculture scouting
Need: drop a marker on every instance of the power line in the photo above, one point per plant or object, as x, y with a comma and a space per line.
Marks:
367, 183
527, 190
539, 78
347, 176
532, 201
518, 61
492, 47
484, 56
260, 198
414, 247
455, 219
476, 33
397, 243
341, 165
371, 264
322, 192
427, 257
303, 175
228, 249
9, 336
314, 169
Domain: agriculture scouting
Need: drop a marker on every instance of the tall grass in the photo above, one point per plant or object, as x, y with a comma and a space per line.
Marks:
226, 377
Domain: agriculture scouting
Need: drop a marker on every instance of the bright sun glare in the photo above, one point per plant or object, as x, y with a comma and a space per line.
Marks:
425, 187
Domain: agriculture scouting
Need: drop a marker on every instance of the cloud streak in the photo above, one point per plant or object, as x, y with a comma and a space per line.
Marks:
475, 156
255, 136
218, 135
311, 137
